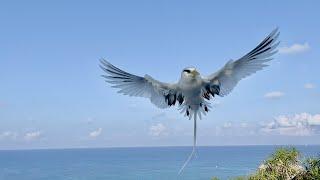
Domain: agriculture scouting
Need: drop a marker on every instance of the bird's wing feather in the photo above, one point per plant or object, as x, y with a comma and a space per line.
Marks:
233, 71
161, 94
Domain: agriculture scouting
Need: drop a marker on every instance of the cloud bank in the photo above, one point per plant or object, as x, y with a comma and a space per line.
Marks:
303, 124
300, 124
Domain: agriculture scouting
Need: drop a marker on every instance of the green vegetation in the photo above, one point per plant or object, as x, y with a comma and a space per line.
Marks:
312, 170
285, 164
282, 165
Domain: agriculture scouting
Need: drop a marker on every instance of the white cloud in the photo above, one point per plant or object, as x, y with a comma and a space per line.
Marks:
274, 95
295, 48
32, 135
227, 125
95, 133
309, 86
158, 130
8, 135
303, 124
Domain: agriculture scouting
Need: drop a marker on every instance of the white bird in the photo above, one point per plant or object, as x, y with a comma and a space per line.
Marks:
193, 91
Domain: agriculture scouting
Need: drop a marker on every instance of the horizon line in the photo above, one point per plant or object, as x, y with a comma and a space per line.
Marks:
167, 146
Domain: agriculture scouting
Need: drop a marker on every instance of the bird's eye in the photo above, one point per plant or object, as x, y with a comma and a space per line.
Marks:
187, 70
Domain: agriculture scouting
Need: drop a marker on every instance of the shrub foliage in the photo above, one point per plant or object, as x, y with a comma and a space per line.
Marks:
285, 164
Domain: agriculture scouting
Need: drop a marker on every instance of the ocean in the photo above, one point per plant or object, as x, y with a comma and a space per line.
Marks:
141, 163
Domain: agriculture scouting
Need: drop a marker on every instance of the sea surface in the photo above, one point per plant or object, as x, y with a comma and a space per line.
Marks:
150, 163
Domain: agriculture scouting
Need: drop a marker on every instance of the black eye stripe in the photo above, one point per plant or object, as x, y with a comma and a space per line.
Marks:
187, 70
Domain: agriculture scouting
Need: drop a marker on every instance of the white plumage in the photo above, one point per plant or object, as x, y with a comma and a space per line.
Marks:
193, 91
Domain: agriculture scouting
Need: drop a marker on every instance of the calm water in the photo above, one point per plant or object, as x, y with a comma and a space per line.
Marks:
134, 163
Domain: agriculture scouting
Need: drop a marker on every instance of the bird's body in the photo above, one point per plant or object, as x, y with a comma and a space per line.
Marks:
190, 87
193, 91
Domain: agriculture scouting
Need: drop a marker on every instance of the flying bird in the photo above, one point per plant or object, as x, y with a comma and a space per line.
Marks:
193, 91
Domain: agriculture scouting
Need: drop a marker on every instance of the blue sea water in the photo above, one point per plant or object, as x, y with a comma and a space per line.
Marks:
150, 163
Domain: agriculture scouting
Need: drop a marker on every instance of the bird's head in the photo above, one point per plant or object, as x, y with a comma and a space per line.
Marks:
190, 73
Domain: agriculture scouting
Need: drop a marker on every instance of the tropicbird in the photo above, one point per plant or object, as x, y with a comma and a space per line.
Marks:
193, 91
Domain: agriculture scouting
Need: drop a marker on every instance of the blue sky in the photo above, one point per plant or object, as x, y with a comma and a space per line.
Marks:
52, 95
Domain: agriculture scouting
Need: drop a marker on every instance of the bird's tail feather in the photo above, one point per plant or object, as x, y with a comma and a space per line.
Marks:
192, 111
193, 152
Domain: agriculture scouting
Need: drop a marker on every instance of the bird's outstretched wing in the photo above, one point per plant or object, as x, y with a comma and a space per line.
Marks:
161, 94
233, 71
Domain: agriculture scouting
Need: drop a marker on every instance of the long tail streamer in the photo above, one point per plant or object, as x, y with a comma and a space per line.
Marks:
193, 152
